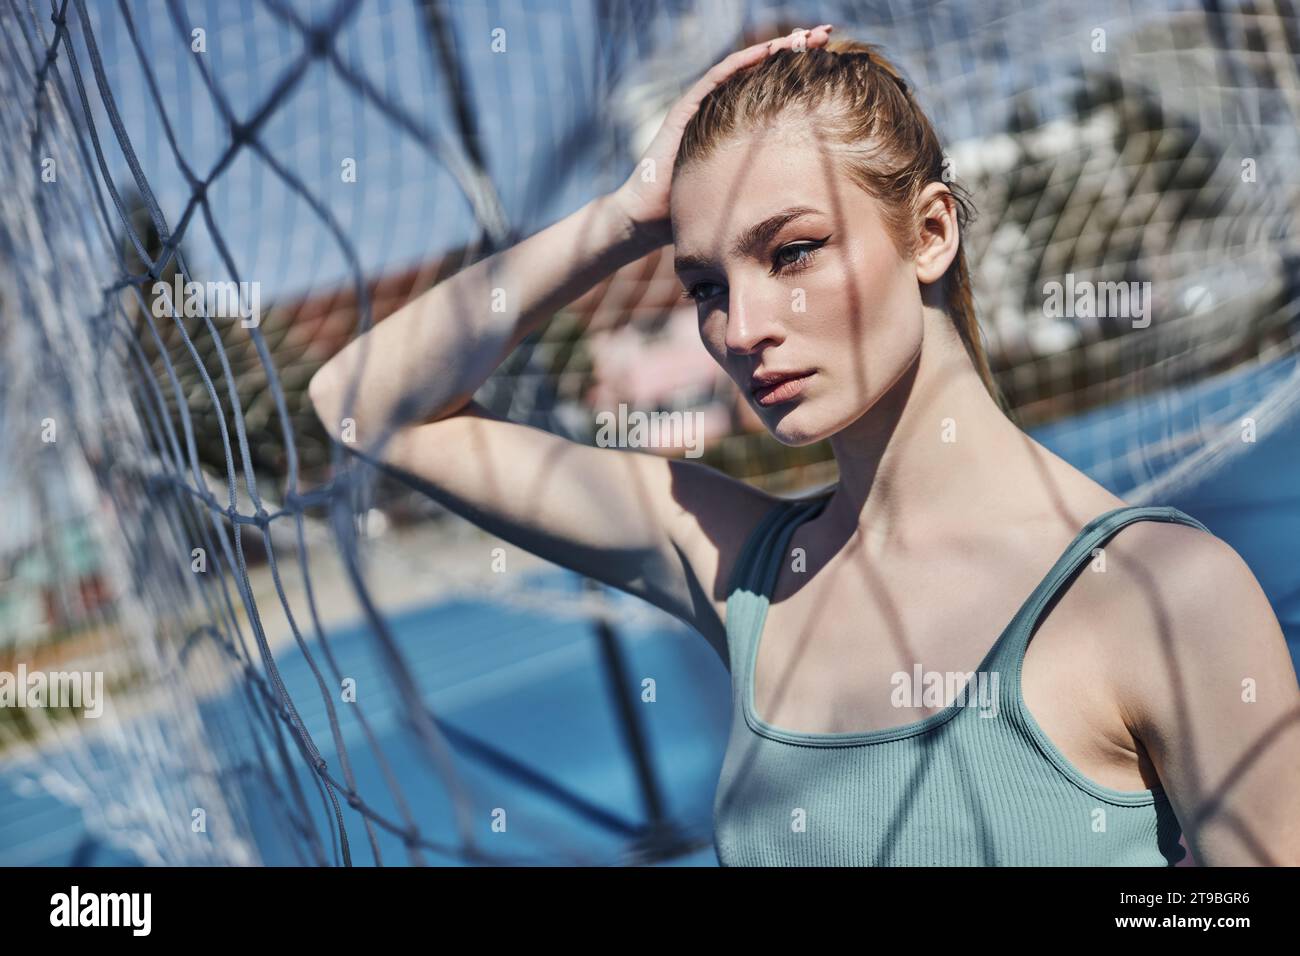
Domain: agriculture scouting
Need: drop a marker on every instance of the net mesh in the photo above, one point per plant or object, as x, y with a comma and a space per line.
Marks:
199, 529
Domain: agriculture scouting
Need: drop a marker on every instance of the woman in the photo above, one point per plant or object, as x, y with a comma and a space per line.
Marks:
803, 190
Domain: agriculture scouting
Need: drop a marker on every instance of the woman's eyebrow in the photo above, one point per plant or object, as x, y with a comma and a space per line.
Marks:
755, 236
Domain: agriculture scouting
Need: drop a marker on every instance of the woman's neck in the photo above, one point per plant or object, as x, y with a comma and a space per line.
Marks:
933, 452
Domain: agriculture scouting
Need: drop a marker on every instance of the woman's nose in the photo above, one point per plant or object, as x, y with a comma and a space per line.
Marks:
750, 322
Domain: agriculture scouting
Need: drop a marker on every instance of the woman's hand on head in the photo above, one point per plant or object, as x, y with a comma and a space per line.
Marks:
643, 198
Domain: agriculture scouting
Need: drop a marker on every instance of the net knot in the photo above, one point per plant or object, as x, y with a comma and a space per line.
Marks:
320, 41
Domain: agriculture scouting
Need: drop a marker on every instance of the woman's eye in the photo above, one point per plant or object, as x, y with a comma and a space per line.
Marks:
795, 256
695, 294
790, 258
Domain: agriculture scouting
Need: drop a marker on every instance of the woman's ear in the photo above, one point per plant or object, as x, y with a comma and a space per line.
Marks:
939, 235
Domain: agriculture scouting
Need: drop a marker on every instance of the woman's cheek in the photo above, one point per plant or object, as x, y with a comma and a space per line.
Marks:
713, 334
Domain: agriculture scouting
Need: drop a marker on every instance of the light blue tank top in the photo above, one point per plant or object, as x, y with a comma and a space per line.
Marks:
956, 788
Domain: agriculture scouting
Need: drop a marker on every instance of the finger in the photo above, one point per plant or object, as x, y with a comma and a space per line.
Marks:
741, 59
815, 37
757, 51
720, 71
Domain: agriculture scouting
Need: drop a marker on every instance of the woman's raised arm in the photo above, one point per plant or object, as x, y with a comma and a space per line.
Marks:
658, 528
427, 359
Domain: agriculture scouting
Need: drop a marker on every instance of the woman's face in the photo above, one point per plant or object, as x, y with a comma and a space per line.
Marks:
802, 298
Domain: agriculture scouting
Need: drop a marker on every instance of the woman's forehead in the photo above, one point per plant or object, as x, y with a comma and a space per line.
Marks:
724, 192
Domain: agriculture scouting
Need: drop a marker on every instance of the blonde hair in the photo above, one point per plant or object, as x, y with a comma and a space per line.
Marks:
892, 150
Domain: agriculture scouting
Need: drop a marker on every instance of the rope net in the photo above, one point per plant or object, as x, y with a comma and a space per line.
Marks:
181, 524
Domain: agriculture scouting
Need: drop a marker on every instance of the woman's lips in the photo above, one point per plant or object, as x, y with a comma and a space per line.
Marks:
782, 391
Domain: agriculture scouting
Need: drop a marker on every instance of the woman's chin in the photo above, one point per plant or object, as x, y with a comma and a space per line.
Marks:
794, 433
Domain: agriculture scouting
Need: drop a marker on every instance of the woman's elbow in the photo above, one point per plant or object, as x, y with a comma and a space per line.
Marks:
326, 401
361, 425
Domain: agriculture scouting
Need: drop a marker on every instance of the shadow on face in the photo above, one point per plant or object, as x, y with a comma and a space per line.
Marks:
801, 294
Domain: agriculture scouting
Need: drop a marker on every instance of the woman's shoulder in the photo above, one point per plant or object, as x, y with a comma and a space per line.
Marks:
1172, 583
1169, 541
719, 521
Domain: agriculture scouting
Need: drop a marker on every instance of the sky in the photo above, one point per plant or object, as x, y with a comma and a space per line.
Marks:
535, 104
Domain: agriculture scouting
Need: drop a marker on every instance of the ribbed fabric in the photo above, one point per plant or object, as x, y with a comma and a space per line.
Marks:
956, 788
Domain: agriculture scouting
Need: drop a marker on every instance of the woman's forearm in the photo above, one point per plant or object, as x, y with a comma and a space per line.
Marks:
427, 359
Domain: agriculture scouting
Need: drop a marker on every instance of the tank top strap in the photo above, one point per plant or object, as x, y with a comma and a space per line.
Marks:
757, 569
1082, 549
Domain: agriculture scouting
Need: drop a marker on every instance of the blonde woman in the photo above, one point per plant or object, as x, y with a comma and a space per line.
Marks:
802, 188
